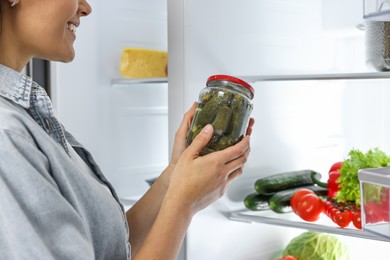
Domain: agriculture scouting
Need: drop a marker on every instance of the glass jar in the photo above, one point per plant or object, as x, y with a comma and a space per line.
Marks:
226, 104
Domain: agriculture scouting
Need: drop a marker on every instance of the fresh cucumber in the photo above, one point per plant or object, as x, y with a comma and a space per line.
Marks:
280, 201
283, 181
256, 202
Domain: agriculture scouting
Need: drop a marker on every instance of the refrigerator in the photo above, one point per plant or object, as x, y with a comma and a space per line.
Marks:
316, 98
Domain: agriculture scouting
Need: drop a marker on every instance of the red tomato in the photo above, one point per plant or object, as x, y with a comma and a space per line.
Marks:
335, 167
343, 218
328, 206
309, 207
332, 213
357, 220
287, 257
297, 197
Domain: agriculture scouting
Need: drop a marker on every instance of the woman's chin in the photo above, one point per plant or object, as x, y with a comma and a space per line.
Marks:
66, 59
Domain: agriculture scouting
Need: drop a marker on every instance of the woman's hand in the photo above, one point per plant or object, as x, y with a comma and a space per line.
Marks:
180, 143
197, 181
189, 184
250, 126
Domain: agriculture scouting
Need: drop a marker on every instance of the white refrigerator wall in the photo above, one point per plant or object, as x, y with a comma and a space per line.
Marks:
299, 124
124, 125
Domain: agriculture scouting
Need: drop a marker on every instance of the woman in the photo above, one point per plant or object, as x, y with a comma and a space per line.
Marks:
55, 202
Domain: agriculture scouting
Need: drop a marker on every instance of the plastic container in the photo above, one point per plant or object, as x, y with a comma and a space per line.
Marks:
378, 45
226, 104
377, 33
375, 200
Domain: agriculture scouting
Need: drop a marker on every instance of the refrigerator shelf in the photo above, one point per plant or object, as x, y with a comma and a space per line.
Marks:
127, 82
324, 224
305, 77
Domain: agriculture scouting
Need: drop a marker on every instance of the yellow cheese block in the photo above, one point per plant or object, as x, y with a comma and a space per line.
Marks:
144, 63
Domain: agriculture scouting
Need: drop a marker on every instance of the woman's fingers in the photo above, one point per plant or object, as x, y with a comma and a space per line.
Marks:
250, 125
201, 140
186, 122
180, 142
232, 153
233, 158
235, 174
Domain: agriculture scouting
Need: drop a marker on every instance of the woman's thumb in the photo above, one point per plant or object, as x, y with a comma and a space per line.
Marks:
202, 139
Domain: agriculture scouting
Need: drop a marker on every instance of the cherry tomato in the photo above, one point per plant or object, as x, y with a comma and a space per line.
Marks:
297, 197
333, 212
287, 257
328, 205
335, 167
309, 207
343, 218
357, 220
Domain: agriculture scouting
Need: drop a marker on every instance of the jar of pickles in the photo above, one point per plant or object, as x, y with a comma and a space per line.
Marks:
226, 104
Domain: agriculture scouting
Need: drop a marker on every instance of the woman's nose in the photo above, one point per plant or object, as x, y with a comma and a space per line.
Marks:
84, 8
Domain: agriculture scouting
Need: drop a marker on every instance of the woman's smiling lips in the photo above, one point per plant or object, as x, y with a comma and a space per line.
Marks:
72, 26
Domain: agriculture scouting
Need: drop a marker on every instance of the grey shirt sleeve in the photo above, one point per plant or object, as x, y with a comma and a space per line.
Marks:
36, 222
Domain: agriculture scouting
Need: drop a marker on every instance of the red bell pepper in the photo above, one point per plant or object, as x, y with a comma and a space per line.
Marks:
336, 166
333, 185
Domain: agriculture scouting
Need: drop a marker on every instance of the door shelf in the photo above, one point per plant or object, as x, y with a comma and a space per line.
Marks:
376, 10
127, 82
324, 224
306, 77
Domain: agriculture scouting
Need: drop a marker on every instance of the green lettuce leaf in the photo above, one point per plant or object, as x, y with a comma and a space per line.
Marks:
349, 182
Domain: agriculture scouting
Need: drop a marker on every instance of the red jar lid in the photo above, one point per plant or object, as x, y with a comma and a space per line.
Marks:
234, 80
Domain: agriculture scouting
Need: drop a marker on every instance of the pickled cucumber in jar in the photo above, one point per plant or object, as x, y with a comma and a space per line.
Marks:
226, 104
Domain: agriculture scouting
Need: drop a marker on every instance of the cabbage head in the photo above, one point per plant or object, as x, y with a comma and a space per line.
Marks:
317, 246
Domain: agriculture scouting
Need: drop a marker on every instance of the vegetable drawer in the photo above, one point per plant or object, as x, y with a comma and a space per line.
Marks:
375, 200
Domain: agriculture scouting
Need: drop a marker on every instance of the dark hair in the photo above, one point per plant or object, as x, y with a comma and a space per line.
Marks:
1, 20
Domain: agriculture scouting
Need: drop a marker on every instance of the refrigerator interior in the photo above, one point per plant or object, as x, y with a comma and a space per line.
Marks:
300, 123
123, 122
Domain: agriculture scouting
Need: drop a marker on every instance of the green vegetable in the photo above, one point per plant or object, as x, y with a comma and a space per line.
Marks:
373, 193
282, 181
256, 202
349, 182
317, 246
222, 120
209, 106
220, 124
240, 108
280, 201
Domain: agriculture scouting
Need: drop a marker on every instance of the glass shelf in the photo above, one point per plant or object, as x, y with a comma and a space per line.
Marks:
324, 224
126, 82
303, 77
259, 78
